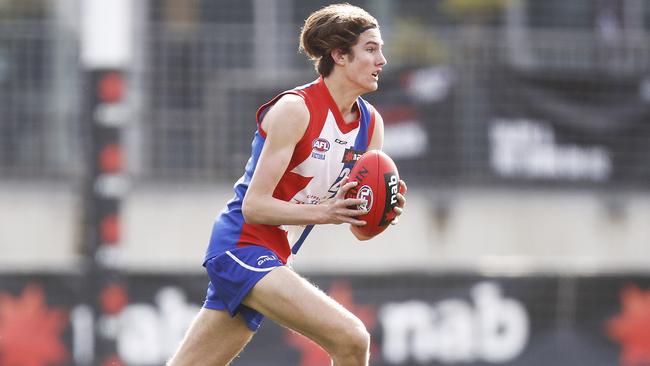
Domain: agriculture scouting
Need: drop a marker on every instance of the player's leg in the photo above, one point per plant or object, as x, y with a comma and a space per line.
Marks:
292, 301
214, 338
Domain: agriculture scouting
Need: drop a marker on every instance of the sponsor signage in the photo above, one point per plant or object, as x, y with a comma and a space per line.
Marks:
392, 188
567, 127
446, 319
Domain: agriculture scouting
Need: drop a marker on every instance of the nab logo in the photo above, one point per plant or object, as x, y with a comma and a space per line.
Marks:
365, 193
321, 145
392, 188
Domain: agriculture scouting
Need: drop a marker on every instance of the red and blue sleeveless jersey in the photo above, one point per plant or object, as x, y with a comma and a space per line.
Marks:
322, 158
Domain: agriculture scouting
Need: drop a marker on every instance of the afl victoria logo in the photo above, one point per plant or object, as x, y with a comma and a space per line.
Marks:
320, 145
365, 193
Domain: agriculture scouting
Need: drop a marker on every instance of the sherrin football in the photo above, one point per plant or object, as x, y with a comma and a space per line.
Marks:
378, 184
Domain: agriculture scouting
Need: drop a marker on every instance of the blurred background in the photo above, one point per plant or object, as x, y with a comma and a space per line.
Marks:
522, 128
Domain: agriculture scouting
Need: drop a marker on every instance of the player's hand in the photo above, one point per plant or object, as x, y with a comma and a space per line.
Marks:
401, 201
341, 210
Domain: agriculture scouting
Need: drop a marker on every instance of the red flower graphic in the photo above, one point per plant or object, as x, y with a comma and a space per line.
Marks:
311, 353
29, 331
632, 327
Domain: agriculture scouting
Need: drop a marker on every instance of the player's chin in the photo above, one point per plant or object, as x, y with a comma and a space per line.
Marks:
369, 85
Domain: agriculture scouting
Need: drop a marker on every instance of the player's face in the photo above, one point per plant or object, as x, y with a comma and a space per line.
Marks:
367, 59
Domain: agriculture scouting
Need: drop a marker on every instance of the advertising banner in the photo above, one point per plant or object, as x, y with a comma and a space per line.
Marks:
564, 127
420, 124
414, 319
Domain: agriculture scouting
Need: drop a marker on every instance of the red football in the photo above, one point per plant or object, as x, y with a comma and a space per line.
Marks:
378, 185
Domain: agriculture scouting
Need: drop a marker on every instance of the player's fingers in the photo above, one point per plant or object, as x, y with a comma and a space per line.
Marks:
343, 182
348, 202
356, 222
401, 200
398, 210
354, 212
345, 187
402, 187
394, 221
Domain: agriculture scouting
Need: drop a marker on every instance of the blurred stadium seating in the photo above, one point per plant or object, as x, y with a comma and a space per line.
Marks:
202, 68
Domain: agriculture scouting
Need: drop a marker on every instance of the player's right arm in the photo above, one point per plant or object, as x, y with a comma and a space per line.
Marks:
285, 124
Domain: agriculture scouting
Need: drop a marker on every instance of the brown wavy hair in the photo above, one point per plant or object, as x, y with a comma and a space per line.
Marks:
333, 27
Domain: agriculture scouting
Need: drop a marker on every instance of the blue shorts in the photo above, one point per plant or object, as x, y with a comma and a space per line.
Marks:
233, 274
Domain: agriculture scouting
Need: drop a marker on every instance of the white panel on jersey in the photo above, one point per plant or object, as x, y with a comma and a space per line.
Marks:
325, 163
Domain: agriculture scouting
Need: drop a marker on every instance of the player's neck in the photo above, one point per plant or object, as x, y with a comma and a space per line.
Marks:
344, 96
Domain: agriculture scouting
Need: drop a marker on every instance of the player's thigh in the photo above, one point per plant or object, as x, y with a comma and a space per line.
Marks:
292, 301
214, 338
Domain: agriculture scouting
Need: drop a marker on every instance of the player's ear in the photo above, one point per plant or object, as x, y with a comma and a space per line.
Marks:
338, 56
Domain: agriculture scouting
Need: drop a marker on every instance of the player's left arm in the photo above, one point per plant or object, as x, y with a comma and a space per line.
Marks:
376, 143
